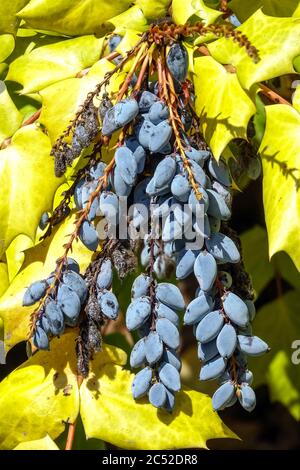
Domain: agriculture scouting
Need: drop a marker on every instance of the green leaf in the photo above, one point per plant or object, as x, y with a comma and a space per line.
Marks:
48, 64
280, 153
223, 107
39, 263
10, 117
62, 100
154, 9
25, 168
278, 323
110, 413
72, 17
133, 16
255, 256
258, 265
183, 11
46, 443
40, 396
259, 121
8, 20
270, 7
277, 40
7, 44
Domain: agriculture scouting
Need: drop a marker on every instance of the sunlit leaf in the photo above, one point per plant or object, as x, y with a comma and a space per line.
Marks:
278, 323
280, 152
270, 7
223, 107
183, 11
10, 117
72, 17
106, 397
25, 168
133, 17
39, 263
277, 40
15, 254
49, 64
8, 20
46, 443
7, 44
40, 396
154, 9
4, 279
57, 113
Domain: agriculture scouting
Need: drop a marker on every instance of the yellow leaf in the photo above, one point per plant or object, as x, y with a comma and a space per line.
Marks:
48, 64
28, 184
72, 17
280, 152
46, 443
40, 396
62, 99
277, 40
4, 279
223, 107
15, 254
154, 9
270, 7
39, 263
183, 11
10, 117
132, 17
7, 44
8, 20
110, 413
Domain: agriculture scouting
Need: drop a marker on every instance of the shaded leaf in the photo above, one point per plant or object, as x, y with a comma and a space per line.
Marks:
278, 323
256, 259
10, 117
46, 443
183, 11
280, 152
258, 265
25, 168
270, 7
222, 105
49, 64
72, 17
39, 263
277, 40
106, 398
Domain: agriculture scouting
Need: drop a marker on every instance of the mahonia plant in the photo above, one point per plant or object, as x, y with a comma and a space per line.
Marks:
163, 163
